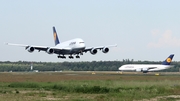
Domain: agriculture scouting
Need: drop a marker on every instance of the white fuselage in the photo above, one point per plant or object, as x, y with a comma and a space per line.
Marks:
71, 46
141, 67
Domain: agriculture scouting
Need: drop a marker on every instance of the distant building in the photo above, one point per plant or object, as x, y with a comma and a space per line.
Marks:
31, 68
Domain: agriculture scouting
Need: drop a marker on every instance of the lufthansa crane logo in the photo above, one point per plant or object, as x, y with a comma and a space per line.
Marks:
54, 36
168, 60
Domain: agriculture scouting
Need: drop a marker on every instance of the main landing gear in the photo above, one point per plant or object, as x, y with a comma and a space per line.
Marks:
63, 57
70, 57
77, 56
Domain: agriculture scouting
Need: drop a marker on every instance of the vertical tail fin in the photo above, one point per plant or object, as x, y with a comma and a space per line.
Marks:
56, 40
168, 60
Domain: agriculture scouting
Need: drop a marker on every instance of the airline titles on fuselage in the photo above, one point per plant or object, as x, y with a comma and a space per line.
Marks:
72, 43
129, 67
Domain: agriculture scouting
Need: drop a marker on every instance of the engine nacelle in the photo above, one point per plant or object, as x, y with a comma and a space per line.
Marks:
50, 51
144, 70
93, 51
138, 70
105, 50
30, 49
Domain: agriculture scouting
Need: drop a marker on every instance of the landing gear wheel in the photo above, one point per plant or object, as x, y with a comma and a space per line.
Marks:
77, 56
71, 57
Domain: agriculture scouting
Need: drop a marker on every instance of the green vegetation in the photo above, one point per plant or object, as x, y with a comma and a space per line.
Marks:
103, 87
75, 66
83, 86
117, 88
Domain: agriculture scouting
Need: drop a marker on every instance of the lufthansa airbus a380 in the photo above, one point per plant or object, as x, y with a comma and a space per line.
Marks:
148, 67
71, 47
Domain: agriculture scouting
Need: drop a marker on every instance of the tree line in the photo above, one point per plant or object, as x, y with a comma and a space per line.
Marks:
19, 66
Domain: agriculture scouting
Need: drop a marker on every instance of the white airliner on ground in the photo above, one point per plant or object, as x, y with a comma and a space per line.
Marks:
148, 67
71, 47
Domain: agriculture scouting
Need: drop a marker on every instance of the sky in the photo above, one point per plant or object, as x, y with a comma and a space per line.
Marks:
146, 30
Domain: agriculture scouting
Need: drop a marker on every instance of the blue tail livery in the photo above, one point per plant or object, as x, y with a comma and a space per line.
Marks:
56, 40
168, 60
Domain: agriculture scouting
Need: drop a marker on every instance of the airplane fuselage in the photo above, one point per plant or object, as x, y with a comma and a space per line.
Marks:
145, 67
71, 47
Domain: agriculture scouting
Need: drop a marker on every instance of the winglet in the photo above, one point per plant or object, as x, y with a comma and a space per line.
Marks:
168, 60
56, 40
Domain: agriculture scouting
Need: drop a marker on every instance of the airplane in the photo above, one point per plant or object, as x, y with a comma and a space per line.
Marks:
148, 67
71, 47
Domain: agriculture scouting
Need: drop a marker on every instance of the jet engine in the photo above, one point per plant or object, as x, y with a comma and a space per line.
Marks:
93, 51
50, 51
138, 70
30, 49
145, 70
105, 50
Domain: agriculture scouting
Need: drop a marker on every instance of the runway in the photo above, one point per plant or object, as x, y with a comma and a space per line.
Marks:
85, 75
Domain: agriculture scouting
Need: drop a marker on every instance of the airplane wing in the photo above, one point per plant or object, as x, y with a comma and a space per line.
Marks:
99, 47
93, 50
151, 68
39, 48
21, 45
63, 50
145, 70
148, 68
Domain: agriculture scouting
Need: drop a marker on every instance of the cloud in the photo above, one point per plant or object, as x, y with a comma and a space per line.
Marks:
155, 33
165, 40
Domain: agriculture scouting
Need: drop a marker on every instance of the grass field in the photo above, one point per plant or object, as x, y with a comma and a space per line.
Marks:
89, 86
